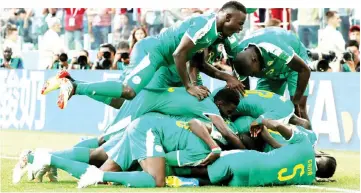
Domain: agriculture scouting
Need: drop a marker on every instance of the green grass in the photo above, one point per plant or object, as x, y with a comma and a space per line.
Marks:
347, 173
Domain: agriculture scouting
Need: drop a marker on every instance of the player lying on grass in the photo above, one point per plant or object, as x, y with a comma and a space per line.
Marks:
167, 101
145, 141
175, 46
293, 163
277, 57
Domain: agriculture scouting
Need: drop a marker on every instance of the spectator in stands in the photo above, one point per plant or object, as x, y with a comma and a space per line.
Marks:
308, 26
82, 61
121, 59
11, 40
122, 29
355, 33
61, 62
137, 34
153, 20
353, 64
331, 39
277, 13
99, 27
105, 57
74, 28
9, 61
51, 43
273, 23
345, 22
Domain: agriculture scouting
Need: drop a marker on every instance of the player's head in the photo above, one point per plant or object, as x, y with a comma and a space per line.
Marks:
248, 62
8, 52
227, 101
326, 165
230, 18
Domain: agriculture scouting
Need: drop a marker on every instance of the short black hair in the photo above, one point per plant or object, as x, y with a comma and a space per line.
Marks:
110, 46
352, 43
87, 53
327, 167
228, 95
235, 5
123, 45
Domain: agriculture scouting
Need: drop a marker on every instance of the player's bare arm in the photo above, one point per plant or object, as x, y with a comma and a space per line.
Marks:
304, 72
180, 59
283, 129
226, 132
200, 130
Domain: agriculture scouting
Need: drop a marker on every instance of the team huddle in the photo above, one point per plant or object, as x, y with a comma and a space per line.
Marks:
172, 131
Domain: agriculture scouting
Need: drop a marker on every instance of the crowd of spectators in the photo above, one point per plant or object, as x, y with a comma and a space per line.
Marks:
65, 38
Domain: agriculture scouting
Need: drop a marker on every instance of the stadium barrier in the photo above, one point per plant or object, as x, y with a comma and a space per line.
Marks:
333, 105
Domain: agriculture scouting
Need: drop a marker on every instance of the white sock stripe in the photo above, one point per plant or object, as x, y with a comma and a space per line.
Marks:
149, 143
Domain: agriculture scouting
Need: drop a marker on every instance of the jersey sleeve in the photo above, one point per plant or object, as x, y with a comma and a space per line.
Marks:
297, 136
284, 54
199, 27
231, 45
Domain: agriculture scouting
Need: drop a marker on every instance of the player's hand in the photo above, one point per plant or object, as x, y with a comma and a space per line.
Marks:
198, 91
210, 159
255, 129
234, 83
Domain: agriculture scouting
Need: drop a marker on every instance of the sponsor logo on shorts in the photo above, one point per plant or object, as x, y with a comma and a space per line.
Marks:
136, 79
158, 148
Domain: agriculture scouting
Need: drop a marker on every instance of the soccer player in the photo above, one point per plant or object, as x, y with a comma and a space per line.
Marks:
294, 163
173, 101
278, 58
175, 46
145, 140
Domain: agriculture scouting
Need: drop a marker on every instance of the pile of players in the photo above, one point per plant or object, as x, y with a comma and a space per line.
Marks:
171, 130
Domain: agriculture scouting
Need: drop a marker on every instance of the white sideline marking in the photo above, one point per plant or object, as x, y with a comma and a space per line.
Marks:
299, 186
8, 157
327, 188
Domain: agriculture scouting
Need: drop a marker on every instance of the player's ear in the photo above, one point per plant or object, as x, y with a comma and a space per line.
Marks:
228, 17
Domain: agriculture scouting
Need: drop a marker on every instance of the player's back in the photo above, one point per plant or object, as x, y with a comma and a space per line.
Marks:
256, 102
172, 130
274, 35
171, 37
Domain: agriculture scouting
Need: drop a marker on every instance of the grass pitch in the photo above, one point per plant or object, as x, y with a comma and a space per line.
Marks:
347, 175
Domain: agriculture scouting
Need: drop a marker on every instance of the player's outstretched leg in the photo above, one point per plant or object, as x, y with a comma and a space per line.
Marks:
41, 159
152, 176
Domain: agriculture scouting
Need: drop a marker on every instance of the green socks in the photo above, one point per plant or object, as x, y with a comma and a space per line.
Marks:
130, 179
112, 89
80, 154
74, 168
91, 143
103, 99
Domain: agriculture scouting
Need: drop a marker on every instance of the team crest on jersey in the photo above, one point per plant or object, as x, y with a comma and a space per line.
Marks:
269, 63
136, 80
158, 148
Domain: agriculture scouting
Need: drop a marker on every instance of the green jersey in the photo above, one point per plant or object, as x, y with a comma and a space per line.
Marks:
291, 164
202, 30
15, 63
154, 134
169, 101
261, 104
311, 135
277, 47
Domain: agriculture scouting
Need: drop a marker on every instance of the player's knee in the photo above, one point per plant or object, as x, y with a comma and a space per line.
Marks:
128, 93
326, 166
